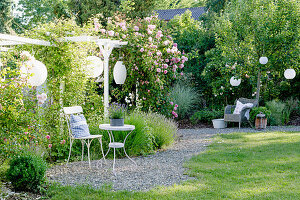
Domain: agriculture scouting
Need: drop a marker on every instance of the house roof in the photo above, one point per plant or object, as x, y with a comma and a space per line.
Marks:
169, 14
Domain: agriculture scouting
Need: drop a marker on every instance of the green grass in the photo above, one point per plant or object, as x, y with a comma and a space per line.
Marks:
235, 166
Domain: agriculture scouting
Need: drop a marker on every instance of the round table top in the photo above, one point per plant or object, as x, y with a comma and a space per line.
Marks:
108, 127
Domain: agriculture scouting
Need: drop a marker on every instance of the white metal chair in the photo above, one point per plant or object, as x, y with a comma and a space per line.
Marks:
84, 140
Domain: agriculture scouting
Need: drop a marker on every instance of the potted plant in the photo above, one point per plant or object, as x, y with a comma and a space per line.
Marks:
117, 114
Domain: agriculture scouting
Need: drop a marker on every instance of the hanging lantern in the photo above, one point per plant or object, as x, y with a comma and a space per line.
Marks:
289, 73
235, 82
93, 67
35, 71
120, 72
263, 60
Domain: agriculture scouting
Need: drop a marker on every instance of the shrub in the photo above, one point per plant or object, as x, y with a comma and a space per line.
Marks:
27, 172
185, 97
276, 107
206, 116
256, 110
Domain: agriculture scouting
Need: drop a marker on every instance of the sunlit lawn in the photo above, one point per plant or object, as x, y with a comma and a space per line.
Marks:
235, 166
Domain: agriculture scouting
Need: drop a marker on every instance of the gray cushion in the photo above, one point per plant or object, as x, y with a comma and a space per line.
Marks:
79, 126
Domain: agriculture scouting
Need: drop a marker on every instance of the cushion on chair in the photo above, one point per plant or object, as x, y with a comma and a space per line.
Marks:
79, 126
240, 106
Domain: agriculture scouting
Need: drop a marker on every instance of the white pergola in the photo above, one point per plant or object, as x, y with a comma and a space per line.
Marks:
106, 46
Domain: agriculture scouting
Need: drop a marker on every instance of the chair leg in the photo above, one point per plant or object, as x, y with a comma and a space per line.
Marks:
82, 142
71, 142
239, 125
88, 147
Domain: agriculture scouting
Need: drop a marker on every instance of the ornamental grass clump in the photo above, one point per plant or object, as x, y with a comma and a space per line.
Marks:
117, 111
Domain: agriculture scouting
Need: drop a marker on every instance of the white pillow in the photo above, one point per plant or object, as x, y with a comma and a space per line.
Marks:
240, 106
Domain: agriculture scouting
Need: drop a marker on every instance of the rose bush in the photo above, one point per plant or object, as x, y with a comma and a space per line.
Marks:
152, 59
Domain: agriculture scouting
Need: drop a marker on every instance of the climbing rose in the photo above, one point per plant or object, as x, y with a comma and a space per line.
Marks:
48, 137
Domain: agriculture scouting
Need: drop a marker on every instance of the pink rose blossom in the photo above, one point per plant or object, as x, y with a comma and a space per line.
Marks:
176, 105
149, 32
148, 19
150, 39
175, 108
175, 44
48, 137
165, 72
63, 142
166, 42
26, 133
142, 50
148, 91
151, 27
167, 60
111, 33
136, 28
96, 24
158, 53
171, 103
102, 31
168, 50
50, 146
181, 66
181, 73
158, 70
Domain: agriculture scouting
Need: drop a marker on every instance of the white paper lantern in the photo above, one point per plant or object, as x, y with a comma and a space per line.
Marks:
289, 73
235, 82
263, 60
36, 72
93, 67
120, 72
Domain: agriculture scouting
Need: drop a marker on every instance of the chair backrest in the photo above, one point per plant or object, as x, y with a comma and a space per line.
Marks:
245, 100
71, 110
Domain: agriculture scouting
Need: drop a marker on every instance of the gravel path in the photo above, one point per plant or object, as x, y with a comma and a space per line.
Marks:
163, 168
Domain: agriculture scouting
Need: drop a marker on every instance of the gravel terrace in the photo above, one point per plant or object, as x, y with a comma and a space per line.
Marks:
163, 168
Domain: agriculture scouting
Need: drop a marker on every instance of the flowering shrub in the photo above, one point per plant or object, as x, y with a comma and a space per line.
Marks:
152, 59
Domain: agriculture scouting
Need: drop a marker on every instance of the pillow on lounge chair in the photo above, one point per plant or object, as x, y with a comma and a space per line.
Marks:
79, 126
240, 106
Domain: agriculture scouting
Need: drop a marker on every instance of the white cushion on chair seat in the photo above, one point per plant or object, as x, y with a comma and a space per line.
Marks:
79, 126
240, 106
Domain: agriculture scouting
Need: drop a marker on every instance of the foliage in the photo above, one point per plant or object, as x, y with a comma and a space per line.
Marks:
192, 39
67, 83
27, 172
185, 98
83, 10
5, 16
276, 107
137, 8
256, 110
31, 13
164, 130
290, 105
248, 30
116, 111
152, 60
206, 116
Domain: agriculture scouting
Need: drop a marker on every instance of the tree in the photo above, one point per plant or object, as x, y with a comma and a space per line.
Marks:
250, 29
34, 12
5, 16
175, 4
85, 9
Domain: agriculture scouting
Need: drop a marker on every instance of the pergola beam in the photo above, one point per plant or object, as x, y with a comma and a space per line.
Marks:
24, 40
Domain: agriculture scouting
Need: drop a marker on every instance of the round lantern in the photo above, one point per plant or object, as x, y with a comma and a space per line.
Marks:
36, 72
235, 82
94, 66
120, 72
263, 60
289, 73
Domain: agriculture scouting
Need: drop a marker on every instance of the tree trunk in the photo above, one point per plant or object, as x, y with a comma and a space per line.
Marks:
258, 87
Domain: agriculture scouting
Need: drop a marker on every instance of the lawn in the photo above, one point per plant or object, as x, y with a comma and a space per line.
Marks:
235, 166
